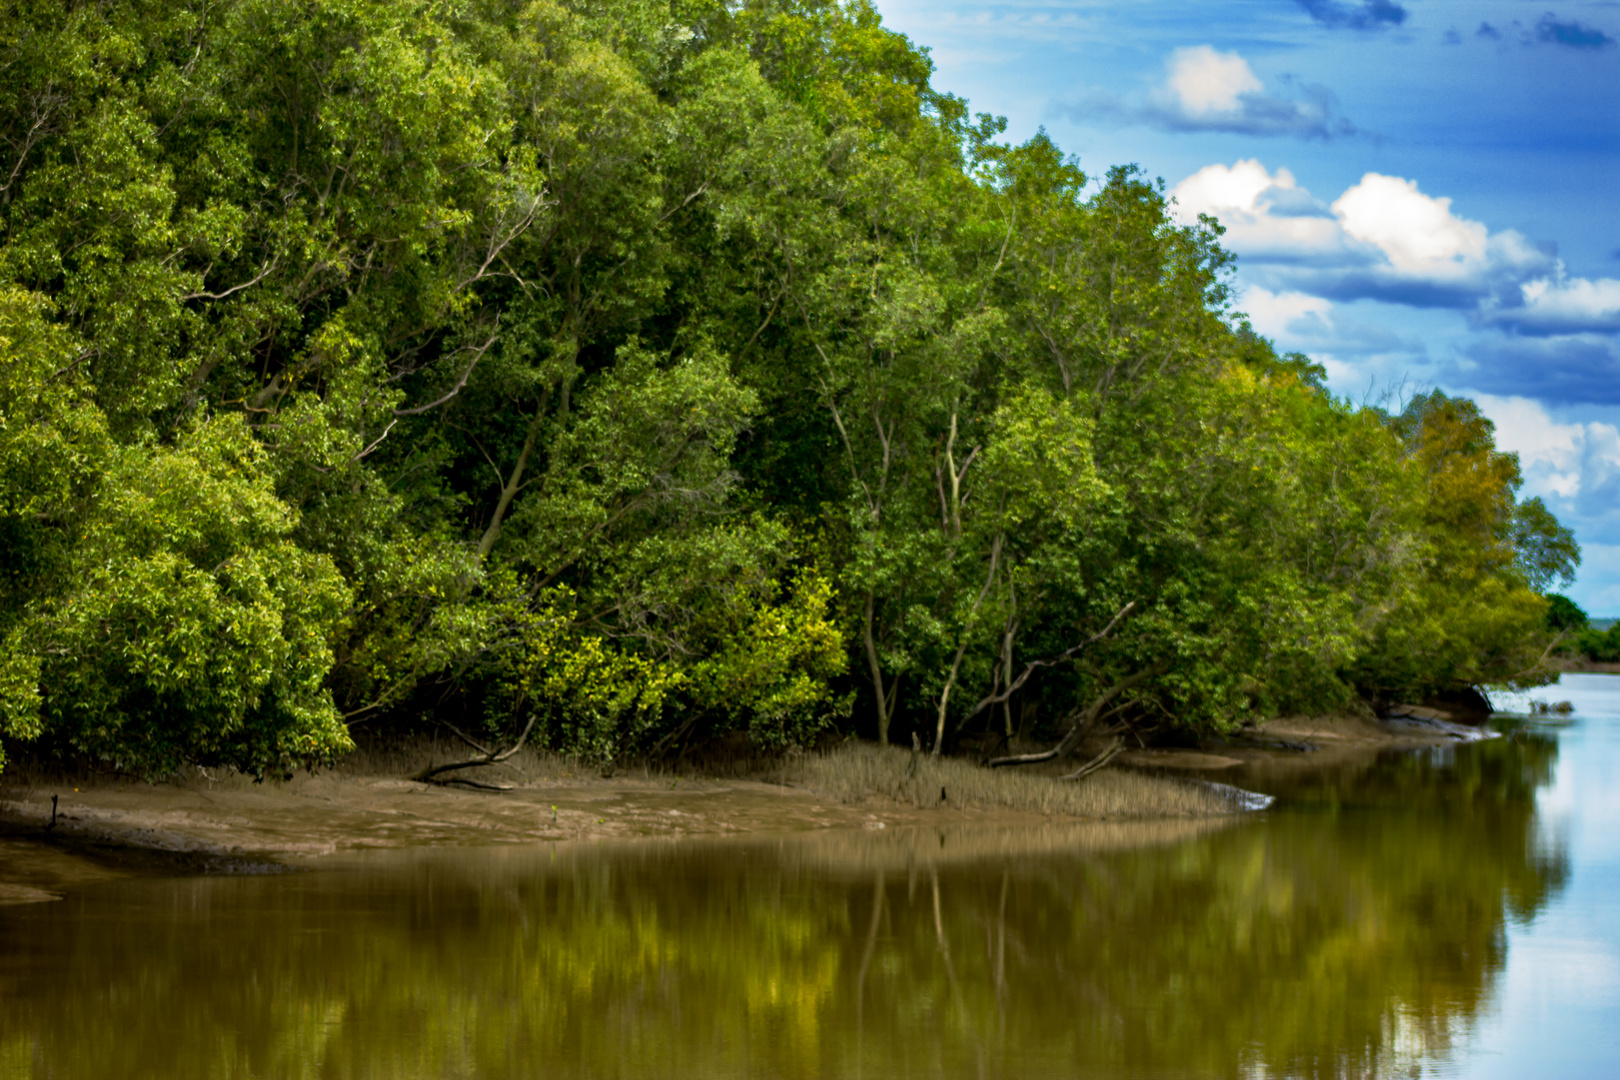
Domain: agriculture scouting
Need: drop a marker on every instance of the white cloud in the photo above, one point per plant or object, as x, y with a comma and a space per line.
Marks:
1278, 315
1561, 305
1577, 297
1268, 216
1208, 90
1417, 233
1574, 466
1383, 238
1204, 81
1550, 453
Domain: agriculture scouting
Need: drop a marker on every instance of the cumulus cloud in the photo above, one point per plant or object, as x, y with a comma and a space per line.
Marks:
1383, 238
1548, 335
1550, 454
1559, 305
1268, 217
1575, 467
1418, 234
1208, 90
1202, 81
1284, 315
1367, 15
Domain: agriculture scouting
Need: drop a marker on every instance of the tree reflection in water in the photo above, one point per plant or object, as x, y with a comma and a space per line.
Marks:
1352, 931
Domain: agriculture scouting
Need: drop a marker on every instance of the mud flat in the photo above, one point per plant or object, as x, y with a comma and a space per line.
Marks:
207, 822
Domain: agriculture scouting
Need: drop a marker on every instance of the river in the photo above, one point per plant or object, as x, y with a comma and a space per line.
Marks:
1446, 913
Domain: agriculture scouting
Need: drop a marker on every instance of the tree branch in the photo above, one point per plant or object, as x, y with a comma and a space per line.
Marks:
1082, 724
1113, 750
478, 354
487, 756
1052, 661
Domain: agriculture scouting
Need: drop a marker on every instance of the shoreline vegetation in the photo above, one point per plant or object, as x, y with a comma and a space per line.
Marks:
659, 374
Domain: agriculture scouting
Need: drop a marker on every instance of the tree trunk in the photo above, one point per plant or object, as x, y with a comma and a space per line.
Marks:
509, 490
876, 667
961, 649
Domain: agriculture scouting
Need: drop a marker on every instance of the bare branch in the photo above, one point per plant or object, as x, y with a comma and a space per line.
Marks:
376, 443
684, 202
1052, 661
956, 665
487, 756
1111, 751
497, 247
1083, 722
264, 272
477, 355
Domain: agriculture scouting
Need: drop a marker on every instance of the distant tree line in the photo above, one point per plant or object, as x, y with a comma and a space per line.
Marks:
622, 372
1577, 637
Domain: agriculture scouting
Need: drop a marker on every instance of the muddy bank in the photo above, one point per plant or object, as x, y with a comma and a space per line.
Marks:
207, 822
1304, 743
1583, 666
314, 816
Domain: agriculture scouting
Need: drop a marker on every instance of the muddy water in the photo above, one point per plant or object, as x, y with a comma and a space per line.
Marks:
1448, 913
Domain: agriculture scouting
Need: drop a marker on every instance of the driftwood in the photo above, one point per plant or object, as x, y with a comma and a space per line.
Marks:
487, 756
1082, 725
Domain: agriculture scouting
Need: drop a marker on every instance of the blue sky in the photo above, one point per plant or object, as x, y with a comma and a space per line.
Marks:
1421, 192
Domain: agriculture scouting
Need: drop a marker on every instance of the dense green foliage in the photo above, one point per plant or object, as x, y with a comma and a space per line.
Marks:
1577, 636
643, 368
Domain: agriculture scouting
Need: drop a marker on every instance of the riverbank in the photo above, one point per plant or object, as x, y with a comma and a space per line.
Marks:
359, 805
1579, 665
1304, 743
205, 821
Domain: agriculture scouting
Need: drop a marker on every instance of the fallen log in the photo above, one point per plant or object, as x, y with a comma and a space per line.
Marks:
487, 756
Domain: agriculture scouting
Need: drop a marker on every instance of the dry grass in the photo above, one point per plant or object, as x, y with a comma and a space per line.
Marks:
856, 772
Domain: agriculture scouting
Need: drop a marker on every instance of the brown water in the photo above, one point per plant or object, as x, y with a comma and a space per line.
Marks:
1359, 928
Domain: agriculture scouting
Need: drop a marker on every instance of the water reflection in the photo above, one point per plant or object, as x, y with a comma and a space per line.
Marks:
1354, 930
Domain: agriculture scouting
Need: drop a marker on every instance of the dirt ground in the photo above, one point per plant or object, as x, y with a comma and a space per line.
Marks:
206, 822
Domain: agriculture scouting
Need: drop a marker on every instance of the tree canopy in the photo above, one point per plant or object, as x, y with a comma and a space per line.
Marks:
632, 369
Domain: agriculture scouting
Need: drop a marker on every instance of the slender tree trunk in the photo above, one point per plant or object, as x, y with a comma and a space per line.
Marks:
514, 482
956, 664
884, 715
1007, 674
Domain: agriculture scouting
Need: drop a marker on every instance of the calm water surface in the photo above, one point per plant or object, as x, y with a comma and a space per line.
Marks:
1453, 913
